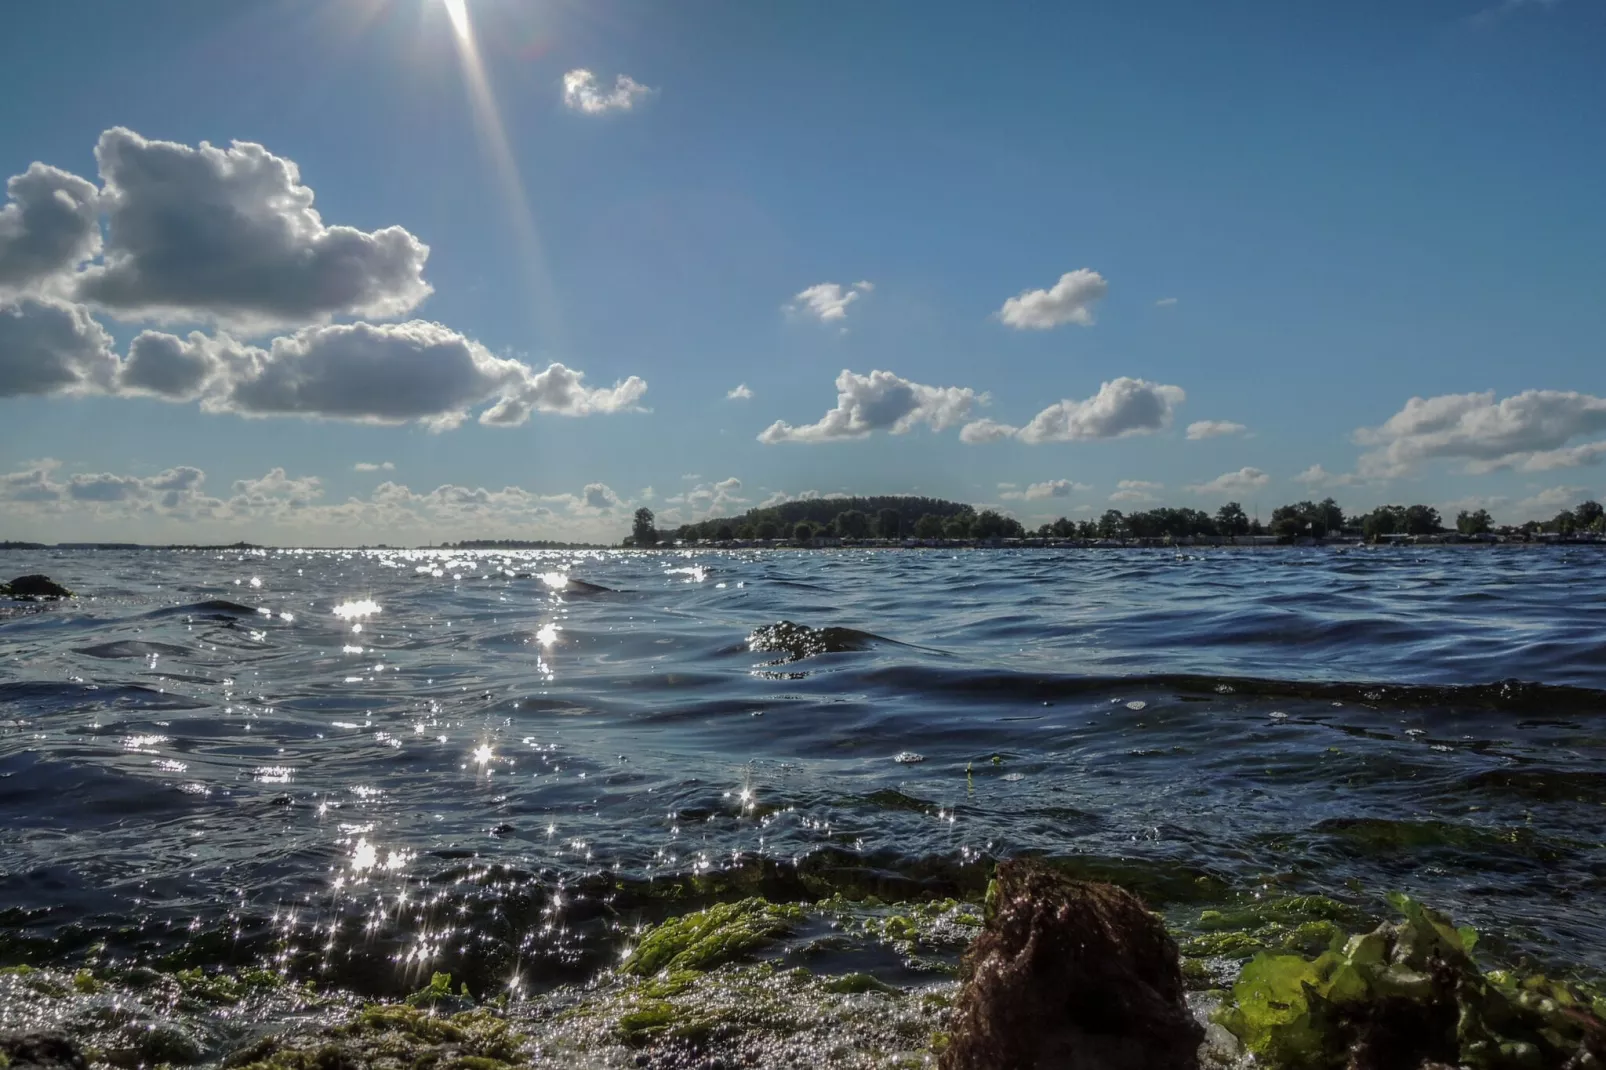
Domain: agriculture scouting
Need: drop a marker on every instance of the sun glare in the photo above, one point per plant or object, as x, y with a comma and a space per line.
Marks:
457, 11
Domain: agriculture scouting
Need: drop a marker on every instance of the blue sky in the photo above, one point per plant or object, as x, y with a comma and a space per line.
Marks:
1098, 254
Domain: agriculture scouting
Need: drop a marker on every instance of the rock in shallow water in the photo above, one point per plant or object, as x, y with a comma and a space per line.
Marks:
39, 1051
35, 586
1070, 975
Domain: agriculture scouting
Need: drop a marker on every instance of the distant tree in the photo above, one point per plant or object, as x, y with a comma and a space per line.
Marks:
929, 526
724, 533
1112, 525
747, 531
1422, 520
643, 533
1590, 516
1086, 529
1564, 522
888, 524
1384, 520
686, 533
1330, 516
804, 532
767, 529
1232, 520
989, 524
1063, 529
958, 526
1477, 523
853, 524
1044, 531
1013, 529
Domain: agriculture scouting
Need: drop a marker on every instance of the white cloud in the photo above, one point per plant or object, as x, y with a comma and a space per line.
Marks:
1053, 488
230, 236
180, 369
1122, 407
1136, 490
561, 390
49, 346
1242, 481
1165, 302
802, 496
1006, 486
48, 228
1477, 428
1214, 428
827, 301
1070, 300
978, 432
706, 500
739, 392
369, 466
1316, 477
880, 401
582, 92
1550, 501
1587, 453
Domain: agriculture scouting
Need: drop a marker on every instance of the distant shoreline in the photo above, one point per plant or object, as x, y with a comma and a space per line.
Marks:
1210, 542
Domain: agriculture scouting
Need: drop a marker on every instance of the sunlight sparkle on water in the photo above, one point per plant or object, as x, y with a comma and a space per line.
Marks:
482, 754
365, 607
547, 634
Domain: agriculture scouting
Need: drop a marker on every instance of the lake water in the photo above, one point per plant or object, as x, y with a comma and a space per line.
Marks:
362, 765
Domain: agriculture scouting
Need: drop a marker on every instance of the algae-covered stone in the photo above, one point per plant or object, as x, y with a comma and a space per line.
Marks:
40, 1051
706, 938
1070, 973
392, 1036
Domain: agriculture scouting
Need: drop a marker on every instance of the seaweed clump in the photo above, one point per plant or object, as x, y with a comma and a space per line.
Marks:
1070, 973
1408, 995
32, 588
705, 938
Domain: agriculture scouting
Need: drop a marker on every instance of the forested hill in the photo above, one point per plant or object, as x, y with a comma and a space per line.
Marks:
863, 516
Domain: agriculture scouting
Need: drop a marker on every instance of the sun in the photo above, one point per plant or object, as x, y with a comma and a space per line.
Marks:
457, 11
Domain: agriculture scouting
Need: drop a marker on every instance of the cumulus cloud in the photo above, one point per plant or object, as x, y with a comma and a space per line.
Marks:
1316, 477
803, 496
562, 391
48, 227
1053, 488
49, 346
1070, 300
978, 432
1242, 481
1587, 453
706, 500
880, 401
1135, 490
180, 369
739, 392
582, 92
827, 301
370, 466
1122, 407
1214, 428
1478, 429
230, 236
1550, 501
37, 486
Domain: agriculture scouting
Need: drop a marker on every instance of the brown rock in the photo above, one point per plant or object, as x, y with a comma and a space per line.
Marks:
1070, 975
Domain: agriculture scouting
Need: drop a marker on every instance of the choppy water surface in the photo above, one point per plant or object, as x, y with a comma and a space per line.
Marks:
371, 765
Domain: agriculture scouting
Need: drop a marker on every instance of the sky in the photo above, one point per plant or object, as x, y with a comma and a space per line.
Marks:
359, 271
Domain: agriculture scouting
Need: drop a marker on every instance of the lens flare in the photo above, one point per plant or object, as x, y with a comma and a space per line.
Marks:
457, 11
494, 141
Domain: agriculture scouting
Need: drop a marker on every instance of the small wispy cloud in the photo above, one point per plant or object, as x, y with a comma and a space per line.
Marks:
739, 392
582, 92
1165, 302
1490, 15
370, 466
827, 301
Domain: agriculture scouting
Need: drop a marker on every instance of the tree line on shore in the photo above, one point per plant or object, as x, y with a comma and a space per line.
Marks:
897, 517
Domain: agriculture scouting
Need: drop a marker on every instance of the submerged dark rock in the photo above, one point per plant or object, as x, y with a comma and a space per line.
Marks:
39, 1051
798, 641
36, 586
1070, 974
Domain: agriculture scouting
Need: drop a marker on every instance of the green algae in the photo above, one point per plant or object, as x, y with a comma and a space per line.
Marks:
706, 938
393, 1037
1413, 982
